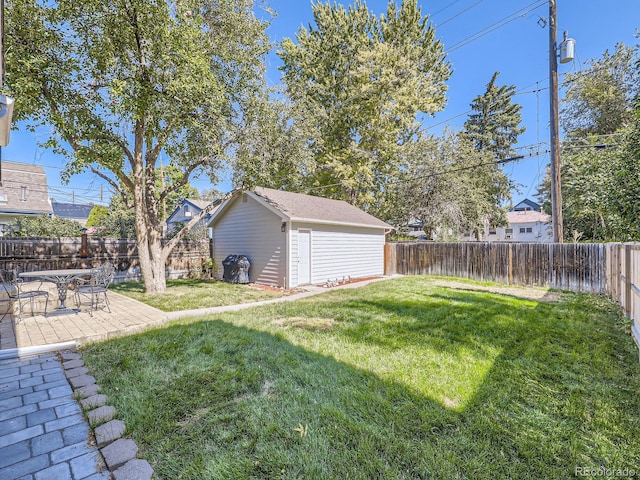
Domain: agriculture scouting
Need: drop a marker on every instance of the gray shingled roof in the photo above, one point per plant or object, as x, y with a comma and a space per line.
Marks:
72, 211
298, 206
201, 204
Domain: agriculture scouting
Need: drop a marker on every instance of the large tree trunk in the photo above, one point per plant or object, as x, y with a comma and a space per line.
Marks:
152, 262
151, 256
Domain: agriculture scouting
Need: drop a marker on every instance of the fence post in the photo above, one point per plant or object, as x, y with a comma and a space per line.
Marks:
510, 263
627, 280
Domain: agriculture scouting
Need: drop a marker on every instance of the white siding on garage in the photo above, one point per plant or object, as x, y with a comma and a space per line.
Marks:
339, 251
248, 228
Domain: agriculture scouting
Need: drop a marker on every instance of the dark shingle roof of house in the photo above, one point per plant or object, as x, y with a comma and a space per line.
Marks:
72, 211
299, 207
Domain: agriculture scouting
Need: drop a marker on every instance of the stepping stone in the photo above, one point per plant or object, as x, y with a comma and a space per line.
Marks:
94, 401
134, 470
119, 452
70, 356
101, 415
109, 432
82, 381
76, 372
73, 364
88, 391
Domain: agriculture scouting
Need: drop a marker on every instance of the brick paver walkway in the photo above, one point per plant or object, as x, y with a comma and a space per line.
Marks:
43, 433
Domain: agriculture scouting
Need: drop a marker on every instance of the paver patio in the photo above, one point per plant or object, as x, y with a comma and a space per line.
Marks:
127, 316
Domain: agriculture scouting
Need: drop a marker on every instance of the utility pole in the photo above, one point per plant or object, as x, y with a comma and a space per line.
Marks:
556, 192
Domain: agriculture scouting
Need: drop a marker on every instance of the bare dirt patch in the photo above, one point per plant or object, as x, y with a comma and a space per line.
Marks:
270, 288
527, 293
313, 324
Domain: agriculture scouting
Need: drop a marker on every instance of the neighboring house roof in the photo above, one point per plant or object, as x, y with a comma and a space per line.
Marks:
201, 204
309, 208
24, 189
178, 216
528, 205
528, 216
72, 211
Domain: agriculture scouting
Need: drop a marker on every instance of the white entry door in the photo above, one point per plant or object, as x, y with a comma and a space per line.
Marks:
304, 257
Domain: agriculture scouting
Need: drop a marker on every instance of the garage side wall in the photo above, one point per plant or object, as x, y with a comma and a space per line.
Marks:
248, 228
339, 251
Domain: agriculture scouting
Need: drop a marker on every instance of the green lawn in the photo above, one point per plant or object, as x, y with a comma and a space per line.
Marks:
187, 294
397, 380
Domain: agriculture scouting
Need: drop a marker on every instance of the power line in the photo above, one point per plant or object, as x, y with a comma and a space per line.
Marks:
496, 25
458, 14
444, 8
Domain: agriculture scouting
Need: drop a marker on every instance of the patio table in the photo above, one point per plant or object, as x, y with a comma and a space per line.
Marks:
62, 278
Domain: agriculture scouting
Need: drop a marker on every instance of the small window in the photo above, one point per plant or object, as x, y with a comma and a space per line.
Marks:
187, 211
23, 194
529, 230
492, 231
467, 234
3, 198
508, 231
523, 230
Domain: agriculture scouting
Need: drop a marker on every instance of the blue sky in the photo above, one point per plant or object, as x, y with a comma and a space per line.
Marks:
479, 36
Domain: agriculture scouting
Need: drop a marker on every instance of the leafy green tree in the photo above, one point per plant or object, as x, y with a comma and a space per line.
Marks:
120, 222
124, 82
600, 186
97, 216
449, 187
494, 124
599, 99
357, 83
47, 227
273, 152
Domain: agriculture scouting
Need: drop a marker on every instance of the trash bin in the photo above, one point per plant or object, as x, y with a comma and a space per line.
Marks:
236, 269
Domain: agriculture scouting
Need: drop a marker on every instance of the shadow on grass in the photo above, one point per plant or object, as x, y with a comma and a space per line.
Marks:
212, 400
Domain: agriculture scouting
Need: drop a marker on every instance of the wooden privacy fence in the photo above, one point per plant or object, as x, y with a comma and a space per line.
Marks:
611, 268
623, 267
576, 266
28, 254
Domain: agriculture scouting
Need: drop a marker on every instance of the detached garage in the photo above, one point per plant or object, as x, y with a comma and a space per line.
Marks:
293, 239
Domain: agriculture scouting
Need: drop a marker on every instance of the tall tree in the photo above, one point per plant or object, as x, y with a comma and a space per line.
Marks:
600, 187
599, 99
494, 124
358, 83
493, 128
125, 81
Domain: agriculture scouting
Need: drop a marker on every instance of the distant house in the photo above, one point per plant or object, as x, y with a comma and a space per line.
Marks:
527, 205
23, 193
188, 209
527, 223
293, 239
72, 211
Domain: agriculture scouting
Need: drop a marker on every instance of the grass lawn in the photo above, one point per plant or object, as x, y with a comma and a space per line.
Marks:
401, 379
188, 294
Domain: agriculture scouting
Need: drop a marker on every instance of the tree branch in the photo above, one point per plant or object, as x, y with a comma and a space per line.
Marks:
170, 245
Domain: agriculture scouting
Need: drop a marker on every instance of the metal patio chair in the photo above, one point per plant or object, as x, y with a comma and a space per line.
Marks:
95, 287
16, 292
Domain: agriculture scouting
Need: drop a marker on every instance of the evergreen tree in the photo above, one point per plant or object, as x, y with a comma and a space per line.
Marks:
494, 125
